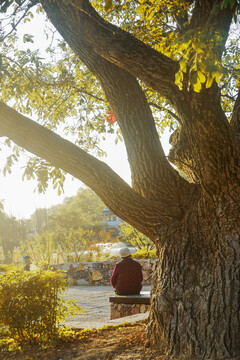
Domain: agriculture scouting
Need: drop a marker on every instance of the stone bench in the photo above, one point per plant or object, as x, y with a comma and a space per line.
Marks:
126, 305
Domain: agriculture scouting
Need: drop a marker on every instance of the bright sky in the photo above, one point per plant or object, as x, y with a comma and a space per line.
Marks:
21, 198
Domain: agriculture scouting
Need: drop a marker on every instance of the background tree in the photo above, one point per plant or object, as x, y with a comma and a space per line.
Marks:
75, 225
83, 210
180, 55
73, 244
135, 238
76, 243
39, 219
12, 233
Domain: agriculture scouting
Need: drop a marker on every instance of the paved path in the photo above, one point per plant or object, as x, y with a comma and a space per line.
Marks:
94, 300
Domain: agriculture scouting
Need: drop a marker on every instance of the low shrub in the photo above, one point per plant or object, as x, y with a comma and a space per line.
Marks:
31, 305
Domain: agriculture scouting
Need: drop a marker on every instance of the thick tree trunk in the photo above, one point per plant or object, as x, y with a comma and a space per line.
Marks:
195, 312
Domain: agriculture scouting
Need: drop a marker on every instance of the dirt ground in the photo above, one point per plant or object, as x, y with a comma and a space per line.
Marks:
113, 343
94, 300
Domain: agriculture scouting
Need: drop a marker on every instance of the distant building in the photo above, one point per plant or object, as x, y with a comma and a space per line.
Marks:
111, 222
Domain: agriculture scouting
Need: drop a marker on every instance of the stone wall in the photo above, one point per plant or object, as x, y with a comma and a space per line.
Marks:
122, 310
99, 273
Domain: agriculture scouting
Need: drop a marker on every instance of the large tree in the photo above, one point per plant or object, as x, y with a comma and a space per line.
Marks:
179, 50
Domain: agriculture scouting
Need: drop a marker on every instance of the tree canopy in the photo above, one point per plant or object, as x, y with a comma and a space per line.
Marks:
53, 85
83, 210
186, 55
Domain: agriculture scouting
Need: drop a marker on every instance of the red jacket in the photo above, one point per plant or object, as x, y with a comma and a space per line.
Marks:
127, 277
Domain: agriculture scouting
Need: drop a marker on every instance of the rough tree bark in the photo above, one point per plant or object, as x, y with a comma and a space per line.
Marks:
195, 310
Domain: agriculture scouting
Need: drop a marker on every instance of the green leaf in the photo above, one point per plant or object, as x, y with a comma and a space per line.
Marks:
28, 38
194, 78
5, 5
224, 4
232, 3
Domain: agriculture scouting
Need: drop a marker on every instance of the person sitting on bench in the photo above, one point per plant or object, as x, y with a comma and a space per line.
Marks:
127, 275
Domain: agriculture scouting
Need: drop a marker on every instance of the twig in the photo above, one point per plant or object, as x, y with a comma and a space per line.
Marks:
161, 108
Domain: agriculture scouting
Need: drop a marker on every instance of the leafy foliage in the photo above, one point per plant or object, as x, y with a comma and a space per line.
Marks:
165, 26
145, 253
135, 238
74, 226
54, 88
12, 232
53, 85
31, 305
83, 210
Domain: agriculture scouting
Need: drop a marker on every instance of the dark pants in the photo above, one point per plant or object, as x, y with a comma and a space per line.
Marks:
119, 293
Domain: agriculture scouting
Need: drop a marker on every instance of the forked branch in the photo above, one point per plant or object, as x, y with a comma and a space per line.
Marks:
116, 45
143, 214
152, 175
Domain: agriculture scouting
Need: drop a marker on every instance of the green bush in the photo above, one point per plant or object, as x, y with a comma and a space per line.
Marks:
31, 306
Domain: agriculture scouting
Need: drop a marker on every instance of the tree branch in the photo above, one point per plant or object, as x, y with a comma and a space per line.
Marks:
209, 13
161, 108
14, 26
152, 175
117, 46
143, 214
207, 142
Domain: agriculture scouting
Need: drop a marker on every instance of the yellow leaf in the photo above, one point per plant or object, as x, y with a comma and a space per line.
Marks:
141, 9
209, 82
179, 79
201, 77
197, 86
187, 54
183, 65
217, 76
150, 15
179, 76
182, 46
197, 47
